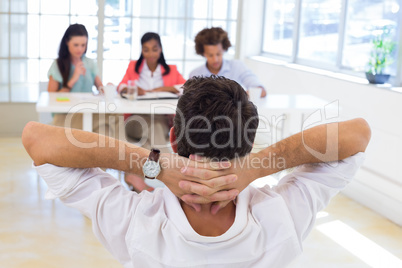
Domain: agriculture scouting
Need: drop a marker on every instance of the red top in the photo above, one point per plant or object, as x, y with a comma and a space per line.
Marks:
169, 80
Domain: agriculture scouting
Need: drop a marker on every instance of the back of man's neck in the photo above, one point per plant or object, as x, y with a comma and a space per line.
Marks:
207, 224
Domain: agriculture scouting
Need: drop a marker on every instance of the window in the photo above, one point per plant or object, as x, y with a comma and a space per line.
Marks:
319, 27
31, 32
279, 23
364, 22
330, 34
176, 21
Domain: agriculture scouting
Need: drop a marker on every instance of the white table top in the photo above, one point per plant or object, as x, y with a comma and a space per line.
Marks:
88, 103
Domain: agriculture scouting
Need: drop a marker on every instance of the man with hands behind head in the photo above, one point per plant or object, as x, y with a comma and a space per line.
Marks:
215, 122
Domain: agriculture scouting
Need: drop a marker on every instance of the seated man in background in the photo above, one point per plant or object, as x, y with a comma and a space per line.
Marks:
260, 227
212, 43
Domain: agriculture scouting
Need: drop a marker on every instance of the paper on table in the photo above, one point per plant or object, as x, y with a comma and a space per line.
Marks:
62, 99
158, 95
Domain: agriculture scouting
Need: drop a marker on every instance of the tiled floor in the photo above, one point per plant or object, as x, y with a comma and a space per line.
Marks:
39, 233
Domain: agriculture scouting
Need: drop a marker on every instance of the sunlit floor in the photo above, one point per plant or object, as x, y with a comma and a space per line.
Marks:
40, 233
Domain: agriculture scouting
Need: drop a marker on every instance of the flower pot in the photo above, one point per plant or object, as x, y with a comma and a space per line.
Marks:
377, 78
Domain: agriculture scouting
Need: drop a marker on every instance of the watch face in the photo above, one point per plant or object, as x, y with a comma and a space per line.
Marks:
151, 169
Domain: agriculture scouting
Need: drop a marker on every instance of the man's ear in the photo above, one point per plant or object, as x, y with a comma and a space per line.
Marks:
173, 140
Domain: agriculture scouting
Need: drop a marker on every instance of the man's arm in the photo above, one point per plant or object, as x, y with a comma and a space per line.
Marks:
323, 143
79, 149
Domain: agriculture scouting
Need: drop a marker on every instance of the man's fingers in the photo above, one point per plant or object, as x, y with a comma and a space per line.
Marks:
218, 206
198, 173
196, 188
220, 182
203, 174
194, 199
222, 197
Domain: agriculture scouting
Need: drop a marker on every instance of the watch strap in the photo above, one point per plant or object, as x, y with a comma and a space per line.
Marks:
154, 155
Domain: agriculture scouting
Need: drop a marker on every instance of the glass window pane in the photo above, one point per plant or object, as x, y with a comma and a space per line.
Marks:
278, 28
4, 74
54, 7
24, 81
87, 7
19, 36
33, 36
197, 9
365, 21
117, 38
4, 36
146, 8
19, 6
172, 36
44, 66
33, 6
319, 30
52, 29
117, 7
91, 24
233, 9
4, 5
220, 9
114, 70
173, 8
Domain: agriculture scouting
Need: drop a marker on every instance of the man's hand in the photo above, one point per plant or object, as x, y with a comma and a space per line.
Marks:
200, 181
218, 191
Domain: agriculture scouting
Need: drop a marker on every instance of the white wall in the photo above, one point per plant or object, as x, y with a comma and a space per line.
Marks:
378, 184
14, 116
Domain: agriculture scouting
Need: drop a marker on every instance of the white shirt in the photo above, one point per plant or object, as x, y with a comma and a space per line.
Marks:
151, 229
149, 80
232, 69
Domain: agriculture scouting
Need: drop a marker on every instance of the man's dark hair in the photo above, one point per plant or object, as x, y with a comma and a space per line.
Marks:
211, 36
215, 119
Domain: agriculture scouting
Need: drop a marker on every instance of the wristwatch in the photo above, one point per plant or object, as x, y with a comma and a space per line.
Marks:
151, 167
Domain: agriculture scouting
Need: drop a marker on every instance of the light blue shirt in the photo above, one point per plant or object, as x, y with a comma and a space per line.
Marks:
84, 83
232, 69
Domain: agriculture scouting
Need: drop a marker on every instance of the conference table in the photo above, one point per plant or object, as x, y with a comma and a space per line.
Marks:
290, 113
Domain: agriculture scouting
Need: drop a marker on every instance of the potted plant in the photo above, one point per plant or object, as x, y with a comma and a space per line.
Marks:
380, 57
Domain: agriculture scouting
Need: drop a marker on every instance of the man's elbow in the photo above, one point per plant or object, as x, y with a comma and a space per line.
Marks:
29, 138
364, 134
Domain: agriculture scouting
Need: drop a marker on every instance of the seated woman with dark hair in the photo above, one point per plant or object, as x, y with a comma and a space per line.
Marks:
150, 73
72, 71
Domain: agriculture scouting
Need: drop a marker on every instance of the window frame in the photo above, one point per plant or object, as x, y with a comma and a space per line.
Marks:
395, 80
